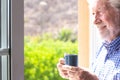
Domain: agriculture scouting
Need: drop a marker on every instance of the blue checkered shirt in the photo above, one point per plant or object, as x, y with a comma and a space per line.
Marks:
107, 63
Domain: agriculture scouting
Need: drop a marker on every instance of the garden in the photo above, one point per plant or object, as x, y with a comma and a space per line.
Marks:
42, 53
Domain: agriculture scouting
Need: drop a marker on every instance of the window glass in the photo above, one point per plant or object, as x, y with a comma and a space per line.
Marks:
4, 50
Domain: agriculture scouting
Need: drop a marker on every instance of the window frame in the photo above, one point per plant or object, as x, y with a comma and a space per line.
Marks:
4, 42
16, 20
83, 33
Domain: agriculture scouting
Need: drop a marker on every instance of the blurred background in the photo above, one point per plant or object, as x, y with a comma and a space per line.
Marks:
50, 30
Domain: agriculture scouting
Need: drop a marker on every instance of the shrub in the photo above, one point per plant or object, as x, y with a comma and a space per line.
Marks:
67, 35
41, 57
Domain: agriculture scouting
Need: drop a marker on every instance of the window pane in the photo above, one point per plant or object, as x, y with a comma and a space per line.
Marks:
4, 23
4, 62
4, 51
0, 24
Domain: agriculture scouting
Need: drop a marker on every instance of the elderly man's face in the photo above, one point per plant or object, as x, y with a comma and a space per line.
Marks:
107, 20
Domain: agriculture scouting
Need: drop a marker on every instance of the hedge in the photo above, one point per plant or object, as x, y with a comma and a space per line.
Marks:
41, 57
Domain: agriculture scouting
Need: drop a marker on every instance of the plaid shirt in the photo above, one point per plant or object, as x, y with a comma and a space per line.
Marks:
107, 63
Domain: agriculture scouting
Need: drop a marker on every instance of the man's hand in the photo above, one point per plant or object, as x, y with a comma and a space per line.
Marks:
63, 72
74, 73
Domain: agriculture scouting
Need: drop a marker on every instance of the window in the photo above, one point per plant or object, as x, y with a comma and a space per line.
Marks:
11, 40
95, 40
4, 42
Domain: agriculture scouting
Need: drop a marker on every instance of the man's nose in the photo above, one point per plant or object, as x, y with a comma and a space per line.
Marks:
97, 19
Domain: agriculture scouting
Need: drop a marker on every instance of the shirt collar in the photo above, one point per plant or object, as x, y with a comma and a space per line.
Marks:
114, 45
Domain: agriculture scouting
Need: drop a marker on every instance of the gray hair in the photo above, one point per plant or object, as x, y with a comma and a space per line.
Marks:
115, 4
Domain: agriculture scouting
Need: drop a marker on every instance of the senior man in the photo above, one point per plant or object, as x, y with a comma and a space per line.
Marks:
106, 66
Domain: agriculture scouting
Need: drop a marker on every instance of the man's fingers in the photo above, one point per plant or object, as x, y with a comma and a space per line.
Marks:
64, 75
62, 61
62, 71
60, 64
71, 68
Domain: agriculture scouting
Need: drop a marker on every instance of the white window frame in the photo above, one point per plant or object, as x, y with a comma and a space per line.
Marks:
95, 39
4, 47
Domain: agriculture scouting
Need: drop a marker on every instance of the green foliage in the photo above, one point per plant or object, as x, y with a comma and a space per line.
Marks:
66, 35
41, 57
